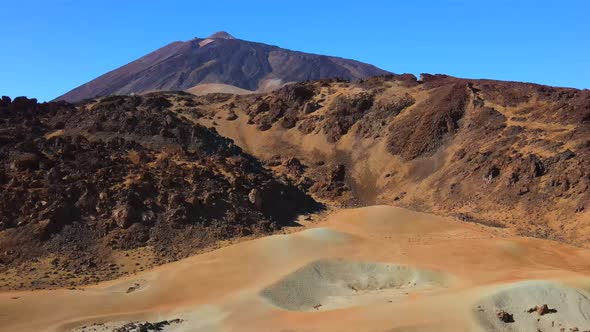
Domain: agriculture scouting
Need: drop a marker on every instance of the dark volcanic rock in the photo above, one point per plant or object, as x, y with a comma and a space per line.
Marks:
346, 112
541, 310
330, 184
433, 119
147, 326
123, 185
124, 216
505, 316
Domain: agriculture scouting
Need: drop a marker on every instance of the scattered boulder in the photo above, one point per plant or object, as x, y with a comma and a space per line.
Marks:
147, 326
288, 122
523, 190
124, 216
310, 107
231, 116
26, 161
536, 166
491, 173
566, 155
330, 182
505, 316
294, 166
133, 288
541, 310
255, 197
264, 126
338, 173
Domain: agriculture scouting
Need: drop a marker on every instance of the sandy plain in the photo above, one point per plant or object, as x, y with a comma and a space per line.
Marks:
478, 271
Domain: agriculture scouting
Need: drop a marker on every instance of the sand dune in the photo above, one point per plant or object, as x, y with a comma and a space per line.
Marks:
369, 269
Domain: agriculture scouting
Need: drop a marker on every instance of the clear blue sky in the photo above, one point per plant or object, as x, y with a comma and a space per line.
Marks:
51, 46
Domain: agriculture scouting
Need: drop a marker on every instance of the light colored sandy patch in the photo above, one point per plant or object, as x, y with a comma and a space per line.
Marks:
206, 42
270, 84
325, 235
337, 283
204, 65
569, 307
206, 88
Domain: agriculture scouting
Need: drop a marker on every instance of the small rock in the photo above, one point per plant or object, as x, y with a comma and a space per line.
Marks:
255, 197
491, 173
124, 216
231, 116
26, 161
310, 107
505, 316
338, 173
566, 155
541, 310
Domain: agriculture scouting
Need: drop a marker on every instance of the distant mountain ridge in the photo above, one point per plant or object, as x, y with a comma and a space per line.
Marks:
219, 59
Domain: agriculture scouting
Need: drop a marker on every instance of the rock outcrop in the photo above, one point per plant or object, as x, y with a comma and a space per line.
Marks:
125, 173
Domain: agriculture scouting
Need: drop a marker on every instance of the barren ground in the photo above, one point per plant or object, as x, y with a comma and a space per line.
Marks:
222, 290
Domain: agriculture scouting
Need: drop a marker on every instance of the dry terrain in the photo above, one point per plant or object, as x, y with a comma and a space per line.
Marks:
219, 63
388, 204
509, 154
372, 269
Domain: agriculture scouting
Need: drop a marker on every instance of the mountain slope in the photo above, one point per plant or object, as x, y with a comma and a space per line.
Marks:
154, 173
508, 154
80, 184
221, 59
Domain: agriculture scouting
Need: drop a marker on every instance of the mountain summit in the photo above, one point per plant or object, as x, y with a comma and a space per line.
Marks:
219, 63
221, 35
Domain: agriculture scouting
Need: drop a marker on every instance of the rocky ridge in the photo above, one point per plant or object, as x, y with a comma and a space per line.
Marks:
80, 182
505, 154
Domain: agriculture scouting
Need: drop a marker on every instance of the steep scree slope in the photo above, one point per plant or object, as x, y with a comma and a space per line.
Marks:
219, 59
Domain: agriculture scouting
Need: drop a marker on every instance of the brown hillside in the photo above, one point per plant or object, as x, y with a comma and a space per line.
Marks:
120, 174
503, 153
81, 183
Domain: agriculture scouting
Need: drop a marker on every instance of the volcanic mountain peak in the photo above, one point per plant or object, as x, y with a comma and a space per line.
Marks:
221, 35
223, 61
